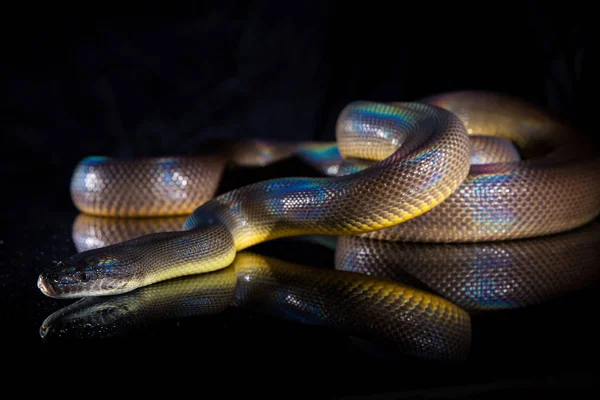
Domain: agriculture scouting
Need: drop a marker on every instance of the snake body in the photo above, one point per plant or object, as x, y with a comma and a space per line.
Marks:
417, 161
166, 186
555, 191
474, 276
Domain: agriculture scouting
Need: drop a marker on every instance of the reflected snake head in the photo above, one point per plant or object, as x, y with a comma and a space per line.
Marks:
93, 317
105, 270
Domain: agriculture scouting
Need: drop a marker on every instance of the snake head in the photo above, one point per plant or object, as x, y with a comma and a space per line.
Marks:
105, 270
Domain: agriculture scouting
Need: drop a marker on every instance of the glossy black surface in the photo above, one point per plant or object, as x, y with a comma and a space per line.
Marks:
542, 347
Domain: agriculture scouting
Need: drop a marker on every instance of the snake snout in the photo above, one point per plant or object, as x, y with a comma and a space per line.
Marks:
44, 285
56, 281
85, 274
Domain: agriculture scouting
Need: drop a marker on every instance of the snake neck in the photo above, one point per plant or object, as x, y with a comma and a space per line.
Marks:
422, 155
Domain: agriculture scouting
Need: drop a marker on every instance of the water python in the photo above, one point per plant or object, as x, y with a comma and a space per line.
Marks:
416, 183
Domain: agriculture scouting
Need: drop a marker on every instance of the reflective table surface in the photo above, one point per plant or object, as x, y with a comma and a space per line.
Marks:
545, 344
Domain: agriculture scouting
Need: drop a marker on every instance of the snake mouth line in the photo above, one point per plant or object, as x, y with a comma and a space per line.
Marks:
47, 289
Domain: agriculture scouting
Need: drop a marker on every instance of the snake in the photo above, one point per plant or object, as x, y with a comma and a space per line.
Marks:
416, 182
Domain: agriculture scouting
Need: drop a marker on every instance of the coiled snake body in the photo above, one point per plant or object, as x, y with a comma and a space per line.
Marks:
417, 184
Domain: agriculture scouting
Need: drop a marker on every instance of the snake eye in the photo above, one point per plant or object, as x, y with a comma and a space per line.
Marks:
83, 277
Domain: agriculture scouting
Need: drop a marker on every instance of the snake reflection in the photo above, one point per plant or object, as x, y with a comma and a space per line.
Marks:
370, 308
354, 298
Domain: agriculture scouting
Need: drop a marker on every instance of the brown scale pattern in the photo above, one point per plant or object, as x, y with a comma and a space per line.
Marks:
90, 232
373, 308
540, 195
145, 187
489, 149
165, 186
483, 276
430, 163
509, 201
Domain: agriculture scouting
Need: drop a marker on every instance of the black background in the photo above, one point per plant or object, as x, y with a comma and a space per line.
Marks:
162, 84
133, 86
